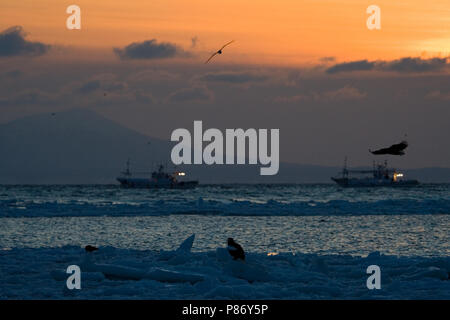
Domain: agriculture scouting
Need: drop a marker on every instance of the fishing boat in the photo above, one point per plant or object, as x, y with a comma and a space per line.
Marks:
380, 176
158, 179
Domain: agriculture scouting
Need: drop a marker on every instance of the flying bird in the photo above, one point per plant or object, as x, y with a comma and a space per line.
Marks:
219, 51
396, 149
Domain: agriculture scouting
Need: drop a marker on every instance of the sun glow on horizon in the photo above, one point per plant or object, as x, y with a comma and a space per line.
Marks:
266, 32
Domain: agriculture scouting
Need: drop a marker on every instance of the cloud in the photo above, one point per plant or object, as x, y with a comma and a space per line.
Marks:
154, 76
198, 94
232, 77
150, 49
194, 41
89, 87
345, 93
403, 65
106, 89
438, 95
327, 59
28, 97
13, 74
351, 66
292, 78
102, 89
292, 99
406, 65
13, 43
103, 81
342, 94
125, 98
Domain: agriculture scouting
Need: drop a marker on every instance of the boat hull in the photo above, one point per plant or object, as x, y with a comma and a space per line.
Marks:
151, 184
354, 183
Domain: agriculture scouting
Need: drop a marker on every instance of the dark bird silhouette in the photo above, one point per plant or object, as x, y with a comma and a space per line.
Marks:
395, 149
90, 248
235, 250
219, 51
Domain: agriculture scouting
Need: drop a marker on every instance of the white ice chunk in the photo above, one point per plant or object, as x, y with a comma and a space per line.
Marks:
172, 276
186, 245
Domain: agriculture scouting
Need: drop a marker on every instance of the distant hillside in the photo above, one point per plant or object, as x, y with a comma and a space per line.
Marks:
82, 147
76, 146
430, 175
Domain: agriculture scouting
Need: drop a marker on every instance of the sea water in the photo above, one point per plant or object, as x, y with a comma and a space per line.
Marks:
319, 219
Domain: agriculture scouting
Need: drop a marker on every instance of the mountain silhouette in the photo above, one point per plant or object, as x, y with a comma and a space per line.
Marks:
82, 147
76, 146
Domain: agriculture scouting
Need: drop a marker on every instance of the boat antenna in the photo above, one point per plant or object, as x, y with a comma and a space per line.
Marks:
344, 170
127, 170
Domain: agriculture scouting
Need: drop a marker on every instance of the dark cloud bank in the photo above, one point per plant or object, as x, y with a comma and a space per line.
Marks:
150, 49
404, 65
13, 43
232, 77
198, 94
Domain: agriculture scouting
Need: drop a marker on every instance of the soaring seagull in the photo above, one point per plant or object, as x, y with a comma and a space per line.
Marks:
218, 52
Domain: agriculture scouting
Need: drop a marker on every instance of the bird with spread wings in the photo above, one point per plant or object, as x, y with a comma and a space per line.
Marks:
219, 51
397, 149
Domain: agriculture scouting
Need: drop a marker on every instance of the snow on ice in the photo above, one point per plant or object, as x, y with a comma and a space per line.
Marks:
112, 273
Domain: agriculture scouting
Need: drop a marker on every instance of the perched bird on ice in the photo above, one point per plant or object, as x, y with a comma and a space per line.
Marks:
235, 250
219, 51
90, 248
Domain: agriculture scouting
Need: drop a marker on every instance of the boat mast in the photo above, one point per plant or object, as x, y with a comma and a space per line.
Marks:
127, 172
345, 171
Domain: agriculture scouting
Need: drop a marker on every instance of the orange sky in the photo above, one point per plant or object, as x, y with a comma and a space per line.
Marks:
266, 31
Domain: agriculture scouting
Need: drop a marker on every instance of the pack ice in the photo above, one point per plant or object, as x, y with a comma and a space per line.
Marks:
112, 273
